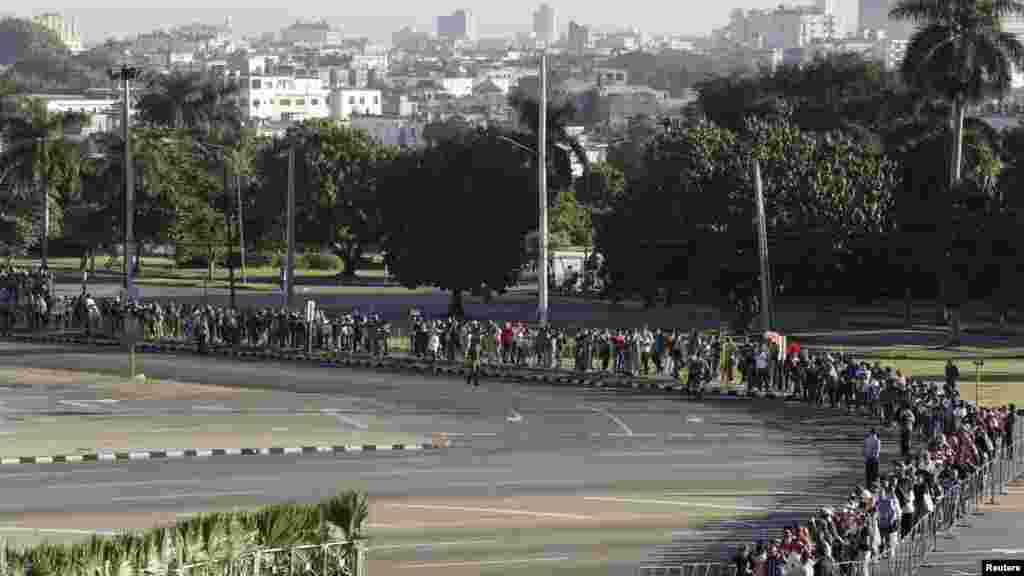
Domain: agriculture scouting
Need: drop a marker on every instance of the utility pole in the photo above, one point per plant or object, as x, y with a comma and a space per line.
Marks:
289, 270
762, 245
125, 74
44, 247
542, 178
227, 220
241, 225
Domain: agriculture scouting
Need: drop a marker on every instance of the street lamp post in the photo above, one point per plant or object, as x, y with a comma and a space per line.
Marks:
126, 74
542, 177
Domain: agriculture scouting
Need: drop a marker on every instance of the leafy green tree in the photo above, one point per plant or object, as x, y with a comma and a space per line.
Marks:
337, 206
569, 223
560, 144
455, 215
607, 184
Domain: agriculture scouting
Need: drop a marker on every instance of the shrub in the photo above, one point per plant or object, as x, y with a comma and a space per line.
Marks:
320, 261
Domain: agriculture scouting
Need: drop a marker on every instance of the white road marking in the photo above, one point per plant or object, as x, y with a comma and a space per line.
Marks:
613, 418
515, 417
106, 401
682, 435
661, 453
749, 434
186, 495
345, 419
505, 511
673, 503
211, 408
77, 404
485, 434
694, 420
486, 562
1006, 551
643, 435
716, 435
278, 429
431, 545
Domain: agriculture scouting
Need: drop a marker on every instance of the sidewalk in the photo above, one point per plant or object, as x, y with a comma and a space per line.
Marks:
996, 532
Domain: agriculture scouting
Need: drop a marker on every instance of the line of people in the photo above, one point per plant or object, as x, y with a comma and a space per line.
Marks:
880, 514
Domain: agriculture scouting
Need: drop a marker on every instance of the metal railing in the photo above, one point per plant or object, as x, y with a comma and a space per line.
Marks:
330, 559
951, 511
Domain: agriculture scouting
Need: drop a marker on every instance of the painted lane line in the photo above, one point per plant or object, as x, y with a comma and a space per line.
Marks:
487, 562
675, 503
515, 417
82, 404
694, 420
204, 453
613, 418
484, 434
44, 460
643, 435
429, 545
504, 511
211, 408
346, 420
700, 452
187, 495
682, 435
716, 435
749, 435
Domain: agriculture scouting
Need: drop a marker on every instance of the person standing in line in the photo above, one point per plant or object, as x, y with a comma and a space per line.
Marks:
1008, 430
872, 451
906, 421
952, 375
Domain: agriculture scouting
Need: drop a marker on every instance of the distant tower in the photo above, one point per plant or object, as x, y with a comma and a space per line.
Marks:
227, 23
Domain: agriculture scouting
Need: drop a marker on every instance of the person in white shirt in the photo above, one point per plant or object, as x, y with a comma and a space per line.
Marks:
761, 366
646, 348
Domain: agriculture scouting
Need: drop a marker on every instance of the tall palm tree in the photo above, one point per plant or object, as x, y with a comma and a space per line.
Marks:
172, 100
37, 144
961, 53
559, 117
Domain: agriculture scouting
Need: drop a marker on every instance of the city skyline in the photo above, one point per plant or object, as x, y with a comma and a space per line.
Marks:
112, 18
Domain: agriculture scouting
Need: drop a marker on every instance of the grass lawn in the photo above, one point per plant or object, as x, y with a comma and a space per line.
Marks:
156, 267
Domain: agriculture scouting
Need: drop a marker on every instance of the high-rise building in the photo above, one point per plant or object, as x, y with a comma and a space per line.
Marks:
65, 29
459, 26
579, 37
545, 25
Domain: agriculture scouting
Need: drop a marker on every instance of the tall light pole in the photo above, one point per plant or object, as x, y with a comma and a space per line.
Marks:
126, 74
289, 281
542, 178
762, 249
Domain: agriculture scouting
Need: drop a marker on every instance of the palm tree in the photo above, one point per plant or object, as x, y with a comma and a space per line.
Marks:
961, 53
184, 100
559, 117
38, 145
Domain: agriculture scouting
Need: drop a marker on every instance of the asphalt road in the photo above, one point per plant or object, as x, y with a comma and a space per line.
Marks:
995, 534
608, 478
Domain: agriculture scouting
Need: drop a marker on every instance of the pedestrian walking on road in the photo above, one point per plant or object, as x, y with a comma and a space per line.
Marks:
1008, 429
872, 451
952, 375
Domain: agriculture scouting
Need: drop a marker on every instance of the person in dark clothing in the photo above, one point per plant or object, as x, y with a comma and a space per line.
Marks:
825, 565
952, 375
1008, 430
906, 421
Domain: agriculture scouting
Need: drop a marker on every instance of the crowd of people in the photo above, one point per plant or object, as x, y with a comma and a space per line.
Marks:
959, 440
24, 292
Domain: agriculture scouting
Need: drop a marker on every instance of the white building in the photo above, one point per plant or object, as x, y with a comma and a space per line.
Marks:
282, 98
345, 103
104, 112
785, 28
457, 87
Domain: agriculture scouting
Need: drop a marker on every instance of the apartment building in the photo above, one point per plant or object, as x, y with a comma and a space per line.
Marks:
345, 103
282, 98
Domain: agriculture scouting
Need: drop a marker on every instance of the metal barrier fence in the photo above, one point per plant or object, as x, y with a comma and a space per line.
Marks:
988, 481
331, 559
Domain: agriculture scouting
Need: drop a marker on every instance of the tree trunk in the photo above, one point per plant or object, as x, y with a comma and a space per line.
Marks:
954, 326
352, 255
456, 307
957, 150
908, 304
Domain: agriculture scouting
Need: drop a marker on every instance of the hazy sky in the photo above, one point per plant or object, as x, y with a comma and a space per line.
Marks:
99, 19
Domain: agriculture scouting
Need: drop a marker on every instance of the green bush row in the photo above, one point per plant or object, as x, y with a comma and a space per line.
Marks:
207, 538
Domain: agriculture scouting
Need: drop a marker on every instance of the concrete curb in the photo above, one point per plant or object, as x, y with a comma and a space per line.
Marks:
208, 453
557, 377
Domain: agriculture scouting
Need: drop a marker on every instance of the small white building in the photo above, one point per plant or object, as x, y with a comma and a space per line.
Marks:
276, 98
458, 87
104, 113
345, 103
